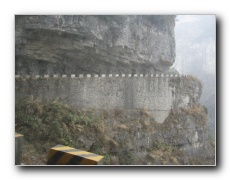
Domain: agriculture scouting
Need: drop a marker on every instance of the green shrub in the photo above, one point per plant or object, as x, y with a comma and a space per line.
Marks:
54, 122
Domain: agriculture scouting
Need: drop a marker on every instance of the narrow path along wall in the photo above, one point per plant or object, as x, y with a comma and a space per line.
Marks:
151, 93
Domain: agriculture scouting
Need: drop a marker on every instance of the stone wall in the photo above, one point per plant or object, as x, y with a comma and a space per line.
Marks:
126, 91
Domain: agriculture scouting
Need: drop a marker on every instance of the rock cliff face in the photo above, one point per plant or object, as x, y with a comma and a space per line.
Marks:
94, 44
129, 109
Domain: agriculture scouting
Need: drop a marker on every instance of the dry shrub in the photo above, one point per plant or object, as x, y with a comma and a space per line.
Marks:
146, 124
122, 127
109, 141
174, 160
145, 113
114, 160
192, 78
30, 155
118, 113
196, 109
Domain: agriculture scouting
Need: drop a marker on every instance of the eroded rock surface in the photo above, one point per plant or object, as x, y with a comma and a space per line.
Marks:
94, 44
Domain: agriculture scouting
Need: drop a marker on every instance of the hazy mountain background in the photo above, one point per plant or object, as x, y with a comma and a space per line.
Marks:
196, 55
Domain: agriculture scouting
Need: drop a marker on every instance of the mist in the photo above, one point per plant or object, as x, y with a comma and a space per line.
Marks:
195, 37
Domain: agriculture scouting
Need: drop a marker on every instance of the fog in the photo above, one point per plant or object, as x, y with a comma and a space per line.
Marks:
196, 55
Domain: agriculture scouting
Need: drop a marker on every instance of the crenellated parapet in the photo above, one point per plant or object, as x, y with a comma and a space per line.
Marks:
46, 76
153, 92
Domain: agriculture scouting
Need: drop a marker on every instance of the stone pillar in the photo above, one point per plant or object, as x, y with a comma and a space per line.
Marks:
18, 148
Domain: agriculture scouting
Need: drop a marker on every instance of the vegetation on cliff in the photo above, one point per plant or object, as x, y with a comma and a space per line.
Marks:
45, 125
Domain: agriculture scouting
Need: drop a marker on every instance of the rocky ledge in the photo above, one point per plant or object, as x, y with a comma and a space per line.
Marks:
94, 44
